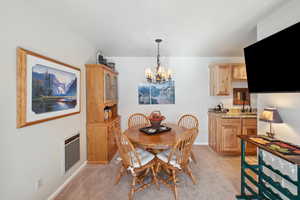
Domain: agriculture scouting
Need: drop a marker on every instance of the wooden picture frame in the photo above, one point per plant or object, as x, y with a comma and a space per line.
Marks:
47, 89
238, 95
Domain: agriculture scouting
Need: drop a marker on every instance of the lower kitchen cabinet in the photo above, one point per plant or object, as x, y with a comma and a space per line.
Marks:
228, 130
223, 132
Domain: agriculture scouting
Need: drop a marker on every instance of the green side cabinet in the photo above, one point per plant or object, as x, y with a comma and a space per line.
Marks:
264, 180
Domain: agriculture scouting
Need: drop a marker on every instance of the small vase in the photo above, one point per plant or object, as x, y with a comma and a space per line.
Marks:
155, 124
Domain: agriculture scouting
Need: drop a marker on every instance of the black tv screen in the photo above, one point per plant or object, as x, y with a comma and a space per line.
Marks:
273, 64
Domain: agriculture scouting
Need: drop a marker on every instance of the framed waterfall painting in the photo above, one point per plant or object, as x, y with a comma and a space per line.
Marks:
156, 93
46, 89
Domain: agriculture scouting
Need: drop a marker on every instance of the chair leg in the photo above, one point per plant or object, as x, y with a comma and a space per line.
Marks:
157, 167
154, 177
189, 172
174, 186
143, 176
193, 157
132, 190
120, 174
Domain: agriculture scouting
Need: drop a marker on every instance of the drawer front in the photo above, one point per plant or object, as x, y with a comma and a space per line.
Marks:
250, 122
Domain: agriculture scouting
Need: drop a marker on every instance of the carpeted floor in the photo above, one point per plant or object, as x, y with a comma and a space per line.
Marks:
218, 178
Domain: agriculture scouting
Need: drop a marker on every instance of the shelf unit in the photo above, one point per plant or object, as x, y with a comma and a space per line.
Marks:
262, 185
102, 94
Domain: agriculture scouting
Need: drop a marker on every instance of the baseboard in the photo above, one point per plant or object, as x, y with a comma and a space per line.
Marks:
201, 143
98, 162
60, 188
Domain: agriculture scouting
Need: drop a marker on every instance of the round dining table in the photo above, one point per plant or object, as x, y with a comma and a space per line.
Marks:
162, 141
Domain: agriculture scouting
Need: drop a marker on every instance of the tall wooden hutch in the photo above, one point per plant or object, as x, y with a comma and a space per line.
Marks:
102, 113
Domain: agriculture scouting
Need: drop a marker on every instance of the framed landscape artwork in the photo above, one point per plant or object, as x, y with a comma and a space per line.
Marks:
157, 93
47, 89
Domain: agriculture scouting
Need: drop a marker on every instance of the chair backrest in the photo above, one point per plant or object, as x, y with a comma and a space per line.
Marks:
188, 121
126, 149
183, 147
138, 120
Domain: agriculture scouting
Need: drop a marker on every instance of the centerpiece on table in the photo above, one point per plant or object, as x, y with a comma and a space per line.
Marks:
155, 119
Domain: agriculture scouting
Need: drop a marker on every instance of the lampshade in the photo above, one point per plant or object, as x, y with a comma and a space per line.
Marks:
270, 115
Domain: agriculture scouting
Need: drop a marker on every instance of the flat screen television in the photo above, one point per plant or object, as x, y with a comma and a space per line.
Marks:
273, 64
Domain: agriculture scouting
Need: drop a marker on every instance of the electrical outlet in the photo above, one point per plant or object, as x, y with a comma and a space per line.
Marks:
39, 184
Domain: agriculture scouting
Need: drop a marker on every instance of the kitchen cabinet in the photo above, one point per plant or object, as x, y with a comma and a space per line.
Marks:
249, 127
222, 75
220, 80
212, 124
239, 72
223, 132
229, 129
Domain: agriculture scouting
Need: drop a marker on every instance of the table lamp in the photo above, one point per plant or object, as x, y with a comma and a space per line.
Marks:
270, 115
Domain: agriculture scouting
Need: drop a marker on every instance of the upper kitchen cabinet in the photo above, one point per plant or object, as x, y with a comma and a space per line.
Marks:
239, 72
220, 80
223, 74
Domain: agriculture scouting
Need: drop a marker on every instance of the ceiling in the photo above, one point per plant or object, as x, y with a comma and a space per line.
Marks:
187, 27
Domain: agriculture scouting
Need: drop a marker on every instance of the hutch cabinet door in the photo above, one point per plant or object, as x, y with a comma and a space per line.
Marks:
107, 87
114, 88
96, 144
112, 147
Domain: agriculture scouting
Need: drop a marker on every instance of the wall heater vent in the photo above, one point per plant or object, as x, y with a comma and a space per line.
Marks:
72, 151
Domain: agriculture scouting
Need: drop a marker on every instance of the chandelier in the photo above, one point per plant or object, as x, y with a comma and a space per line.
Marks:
159, 74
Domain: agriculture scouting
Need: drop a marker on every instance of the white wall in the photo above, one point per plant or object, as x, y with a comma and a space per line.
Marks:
191, 77
34, 152
287, 104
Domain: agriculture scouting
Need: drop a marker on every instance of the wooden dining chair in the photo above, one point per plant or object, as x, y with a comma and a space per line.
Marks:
137, 163
138, 120
189, 122
176, 160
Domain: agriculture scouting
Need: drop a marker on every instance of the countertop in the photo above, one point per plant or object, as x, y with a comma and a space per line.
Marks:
234, 115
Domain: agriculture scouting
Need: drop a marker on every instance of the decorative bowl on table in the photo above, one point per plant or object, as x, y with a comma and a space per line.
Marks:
152, 131
155, 119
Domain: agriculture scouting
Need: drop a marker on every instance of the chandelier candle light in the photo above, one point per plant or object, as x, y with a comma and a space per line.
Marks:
160, 75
